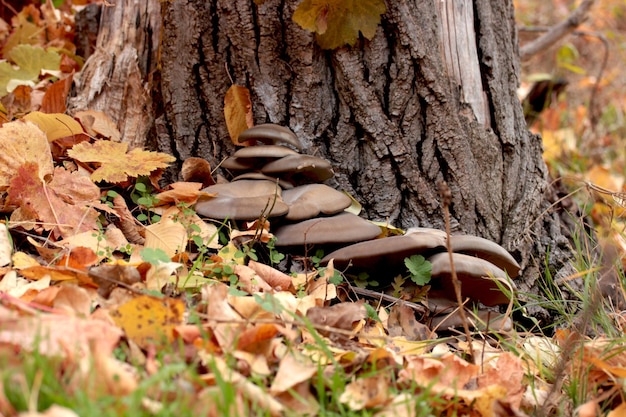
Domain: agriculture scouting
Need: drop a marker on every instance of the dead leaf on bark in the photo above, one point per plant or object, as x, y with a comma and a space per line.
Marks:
338, 22
238, 111
98, 123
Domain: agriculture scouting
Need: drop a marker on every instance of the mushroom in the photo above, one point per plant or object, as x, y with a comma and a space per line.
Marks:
386, 256
264, 151
481, 320
307, 201
254, 157
342, 228
271, 134
285, 185
487, 250
309, 167
480, 279
243, 200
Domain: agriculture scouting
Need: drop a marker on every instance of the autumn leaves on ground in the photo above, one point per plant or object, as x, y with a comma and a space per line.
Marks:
117, 298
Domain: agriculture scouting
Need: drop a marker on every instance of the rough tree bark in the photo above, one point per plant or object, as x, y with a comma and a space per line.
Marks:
431, 97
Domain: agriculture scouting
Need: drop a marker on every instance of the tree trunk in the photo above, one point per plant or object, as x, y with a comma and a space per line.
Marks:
432, 97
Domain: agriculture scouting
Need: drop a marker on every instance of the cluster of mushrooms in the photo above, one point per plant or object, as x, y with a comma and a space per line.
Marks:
273, 180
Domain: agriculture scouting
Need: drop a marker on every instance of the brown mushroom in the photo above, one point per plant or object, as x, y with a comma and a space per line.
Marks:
480, 279
243, 200
254, 157
308, 167
270, 134
485, 249
342, 228
264, 151
308, 201
386, 256
285, 185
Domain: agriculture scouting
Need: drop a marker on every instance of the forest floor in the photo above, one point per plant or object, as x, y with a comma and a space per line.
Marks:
102, 313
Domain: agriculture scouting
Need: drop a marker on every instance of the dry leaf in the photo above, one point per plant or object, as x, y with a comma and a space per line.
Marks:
21, 143
98, 123
55, 125
146, 319
237, 111
116, 165
63, 205
338, 22
6, 247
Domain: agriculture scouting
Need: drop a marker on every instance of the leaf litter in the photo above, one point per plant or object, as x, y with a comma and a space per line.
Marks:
78, 290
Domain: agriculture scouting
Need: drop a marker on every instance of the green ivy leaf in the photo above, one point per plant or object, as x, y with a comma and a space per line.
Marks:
419, 268
338, 22
154, 256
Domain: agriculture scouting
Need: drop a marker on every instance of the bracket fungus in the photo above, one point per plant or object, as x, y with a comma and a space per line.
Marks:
386, 255
243, 200
270, 134
480, 279
308, 201
300, 166
485, 249
342, 228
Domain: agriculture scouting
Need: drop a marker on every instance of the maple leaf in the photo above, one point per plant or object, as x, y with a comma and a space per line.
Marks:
21, 143
237, 111
116, 165
64, 204
338, 22
55, 125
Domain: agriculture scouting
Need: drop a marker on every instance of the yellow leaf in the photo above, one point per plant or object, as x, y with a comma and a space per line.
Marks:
20, 143
168, 234
55, 125
115, 164
147, 319
338, 22
237, 111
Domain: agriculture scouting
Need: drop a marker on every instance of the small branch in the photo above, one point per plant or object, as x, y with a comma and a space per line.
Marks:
557, 32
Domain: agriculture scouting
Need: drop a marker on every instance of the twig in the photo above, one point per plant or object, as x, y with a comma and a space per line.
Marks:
557, 32
446, 200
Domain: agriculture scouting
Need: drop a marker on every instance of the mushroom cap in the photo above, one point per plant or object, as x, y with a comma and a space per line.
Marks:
241, 164
307, 166
264, 151
270, 134
386, 256
308, 201
254, 157
243, 200
479, 278
342, 228
285, 185
487, 250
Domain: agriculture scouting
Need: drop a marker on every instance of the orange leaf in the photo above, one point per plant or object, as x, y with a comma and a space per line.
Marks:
64, 205
116, 165
237, 111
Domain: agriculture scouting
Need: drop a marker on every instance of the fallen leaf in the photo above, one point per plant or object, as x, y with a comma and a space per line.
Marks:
55, 125
6, 247
116, 165
63, 205
98, 123
21, 143
146, 319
